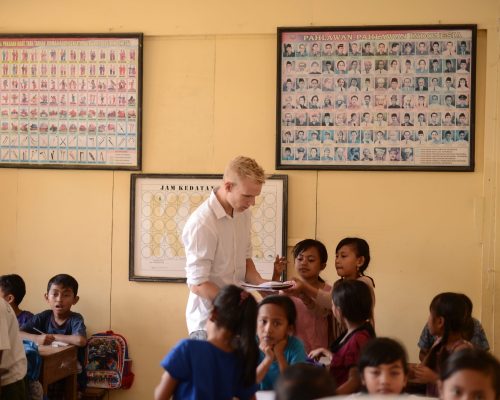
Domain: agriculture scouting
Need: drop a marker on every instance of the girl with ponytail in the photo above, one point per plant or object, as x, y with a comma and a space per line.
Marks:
449, 320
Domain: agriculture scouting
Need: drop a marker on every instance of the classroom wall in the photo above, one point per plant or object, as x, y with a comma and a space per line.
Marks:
209, 94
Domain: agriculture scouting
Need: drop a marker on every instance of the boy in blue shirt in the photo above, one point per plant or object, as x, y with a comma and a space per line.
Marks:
59, 323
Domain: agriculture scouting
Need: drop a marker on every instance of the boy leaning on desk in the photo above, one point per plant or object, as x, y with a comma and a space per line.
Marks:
59, 324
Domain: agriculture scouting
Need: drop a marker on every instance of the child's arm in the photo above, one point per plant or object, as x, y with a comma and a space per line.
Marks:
351, 385
166, 387
279, 352
423, 374
316, 354
44, 339
76, 340
265, 364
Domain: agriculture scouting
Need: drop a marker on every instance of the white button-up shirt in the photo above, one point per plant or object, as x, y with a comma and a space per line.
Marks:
217, 247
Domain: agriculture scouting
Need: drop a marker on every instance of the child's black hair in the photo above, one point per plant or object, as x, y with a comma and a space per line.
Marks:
473, 359
382, 350
65, 280
360, 247
306, 244
354, 300
304, 382
285, 303
236, 310
469, 322
455, 312
13, 284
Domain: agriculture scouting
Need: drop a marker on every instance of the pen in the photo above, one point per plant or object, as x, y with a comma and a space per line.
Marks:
39, 331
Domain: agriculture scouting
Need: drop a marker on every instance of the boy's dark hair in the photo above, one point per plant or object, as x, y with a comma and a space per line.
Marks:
13, 284
64, 280
360, 247
304, 382
236, 310
354, 300
285, 303
474, 359
382, 350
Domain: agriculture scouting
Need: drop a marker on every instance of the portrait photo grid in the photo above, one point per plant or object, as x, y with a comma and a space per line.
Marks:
70, 101
376, 98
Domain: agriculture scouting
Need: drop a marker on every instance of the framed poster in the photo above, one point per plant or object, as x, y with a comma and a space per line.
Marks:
71, 101
376, 98
160, 205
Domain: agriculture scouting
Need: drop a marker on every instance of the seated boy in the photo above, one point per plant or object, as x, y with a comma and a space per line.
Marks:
13, 365
12, 290
60, 323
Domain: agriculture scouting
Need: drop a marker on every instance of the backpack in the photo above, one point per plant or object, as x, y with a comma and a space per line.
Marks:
106, 361
34, 359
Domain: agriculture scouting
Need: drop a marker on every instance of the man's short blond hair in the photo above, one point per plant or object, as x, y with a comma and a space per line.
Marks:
244, 167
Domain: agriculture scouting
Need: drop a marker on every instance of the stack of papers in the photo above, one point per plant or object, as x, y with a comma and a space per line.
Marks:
271, 286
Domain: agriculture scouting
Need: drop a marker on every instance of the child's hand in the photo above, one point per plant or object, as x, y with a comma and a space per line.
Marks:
423, 374
279, 266
316, 354
268, 351
279, 348
45, 339
296, 289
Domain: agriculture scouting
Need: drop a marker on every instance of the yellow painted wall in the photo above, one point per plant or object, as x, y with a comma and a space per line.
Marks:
209, 94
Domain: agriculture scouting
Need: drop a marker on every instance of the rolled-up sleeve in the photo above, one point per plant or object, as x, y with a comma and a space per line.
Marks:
200, 244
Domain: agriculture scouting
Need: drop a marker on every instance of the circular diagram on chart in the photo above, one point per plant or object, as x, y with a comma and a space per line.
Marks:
165, 212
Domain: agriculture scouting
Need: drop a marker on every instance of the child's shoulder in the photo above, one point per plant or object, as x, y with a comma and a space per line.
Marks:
368, 280
75, 316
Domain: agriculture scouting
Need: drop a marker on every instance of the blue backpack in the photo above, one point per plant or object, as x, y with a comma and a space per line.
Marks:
34, 359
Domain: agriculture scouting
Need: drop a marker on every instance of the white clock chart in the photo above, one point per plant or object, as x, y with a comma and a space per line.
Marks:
162, 215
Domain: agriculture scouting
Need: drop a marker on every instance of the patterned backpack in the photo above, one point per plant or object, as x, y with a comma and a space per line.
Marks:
106, 361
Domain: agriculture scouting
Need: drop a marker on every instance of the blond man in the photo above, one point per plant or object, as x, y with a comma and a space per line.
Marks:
217, 241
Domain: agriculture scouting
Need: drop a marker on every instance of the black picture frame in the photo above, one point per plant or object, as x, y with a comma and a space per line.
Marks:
398, 98
71, 101
160, 205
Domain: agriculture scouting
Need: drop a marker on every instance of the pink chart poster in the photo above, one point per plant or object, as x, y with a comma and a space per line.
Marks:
71, 101
390, 98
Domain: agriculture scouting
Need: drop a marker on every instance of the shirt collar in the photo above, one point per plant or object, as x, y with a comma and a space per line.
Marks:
216, 205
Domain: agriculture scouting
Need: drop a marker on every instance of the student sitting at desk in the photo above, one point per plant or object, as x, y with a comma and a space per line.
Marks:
59, 323
13, 364
12, 290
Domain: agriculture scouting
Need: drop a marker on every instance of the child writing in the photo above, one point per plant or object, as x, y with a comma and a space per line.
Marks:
278, 347
59, 323
352, 306
383, 367
223, 367
312, 322
13, 290
448, 320
470, 373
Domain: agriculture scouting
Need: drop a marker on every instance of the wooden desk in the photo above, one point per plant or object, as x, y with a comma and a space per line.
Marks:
59, 363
